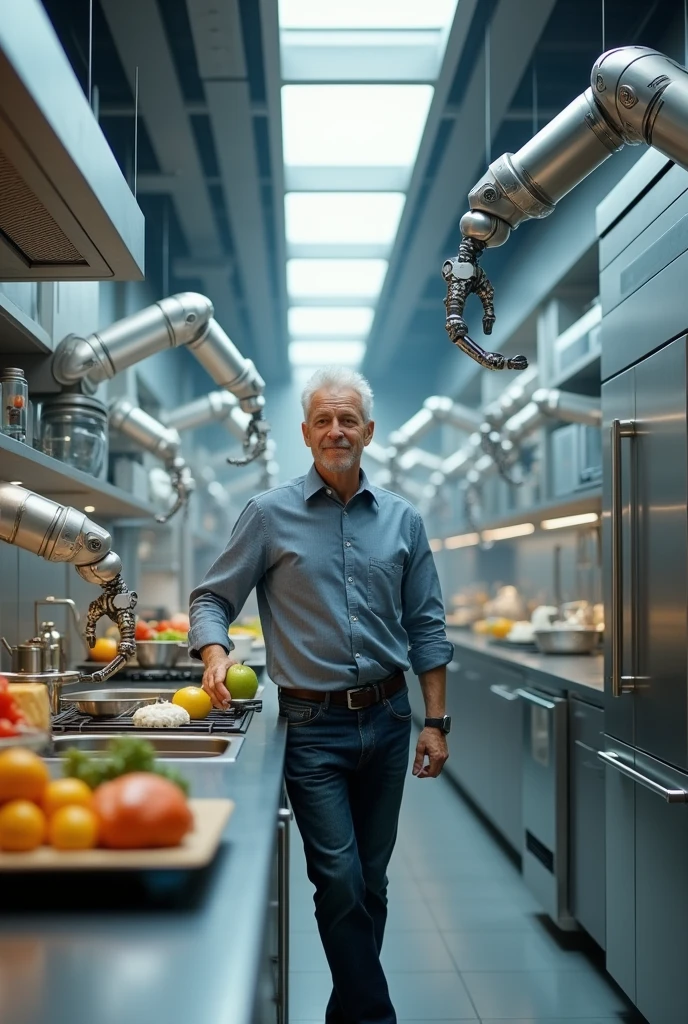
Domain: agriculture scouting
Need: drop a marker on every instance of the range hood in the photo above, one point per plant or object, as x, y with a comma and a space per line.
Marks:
66, 211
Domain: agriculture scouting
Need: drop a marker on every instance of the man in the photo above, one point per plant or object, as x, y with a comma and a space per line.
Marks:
348, 592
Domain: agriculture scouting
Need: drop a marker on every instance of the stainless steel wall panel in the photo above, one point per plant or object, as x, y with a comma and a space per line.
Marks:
620, 872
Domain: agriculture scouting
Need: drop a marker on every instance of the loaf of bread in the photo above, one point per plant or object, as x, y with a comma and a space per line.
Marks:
32, 700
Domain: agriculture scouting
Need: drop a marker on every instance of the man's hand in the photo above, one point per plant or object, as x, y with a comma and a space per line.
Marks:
216, 661
432, 742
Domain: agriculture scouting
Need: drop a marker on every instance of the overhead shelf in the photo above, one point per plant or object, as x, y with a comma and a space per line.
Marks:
69, 486
583, 376
588, 500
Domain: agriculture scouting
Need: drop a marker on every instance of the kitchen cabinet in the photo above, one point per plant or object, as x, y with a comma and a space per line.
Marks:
586, 818
647, 882
485, 743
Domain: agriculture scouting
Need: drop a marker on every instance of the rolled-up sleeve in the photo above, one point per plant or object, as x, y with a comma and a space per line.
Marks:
222, 593
423, 608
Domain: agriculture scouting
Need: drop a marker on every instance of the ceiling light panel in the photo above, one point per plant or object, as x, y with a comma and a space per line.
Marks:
330, 321
335, 278
342, 218
353, 125
326, 353
366, 14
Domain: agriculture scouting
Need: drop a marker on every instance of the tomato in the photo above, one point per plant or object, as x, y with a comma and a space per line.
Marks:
7, 728
143, 631
162, 626
141, 810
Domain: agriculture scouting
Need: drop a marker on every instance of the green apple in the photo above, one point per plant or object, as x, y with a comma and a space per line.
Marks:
242, 682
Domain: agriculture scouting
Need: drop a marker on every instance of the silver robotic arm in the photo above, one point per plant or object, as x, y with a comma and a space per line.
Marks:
183, 319
636, 95
60, 533
152, 436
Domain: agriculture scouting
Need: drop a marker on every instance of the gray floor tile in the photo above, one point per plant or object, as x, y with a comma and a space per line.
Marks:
415, 951
306, 952
410, 915
486, 914
309, 992
556, 1020
532, 950
510, 995
430, 996
464, 887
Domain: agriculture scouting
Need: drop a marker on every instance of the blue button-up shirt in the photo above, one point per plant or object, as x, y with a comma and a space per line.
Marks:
347, 594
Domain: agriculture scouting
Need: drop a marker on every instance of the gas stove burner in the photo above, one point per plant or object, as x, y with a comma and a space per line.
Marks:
232, 721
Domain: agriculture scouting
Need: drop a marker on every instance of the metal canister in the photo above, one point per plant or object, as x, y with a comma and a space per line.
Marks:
14, 395
51, 641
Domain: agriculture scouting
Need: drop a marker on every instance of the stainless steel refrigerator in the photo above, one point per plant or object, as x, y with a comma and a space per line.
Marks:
644, 291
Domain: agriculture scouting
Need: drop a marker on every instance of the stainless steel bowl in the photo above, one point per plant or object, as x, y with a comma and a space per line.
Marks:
566, 641
158, 653
102, 703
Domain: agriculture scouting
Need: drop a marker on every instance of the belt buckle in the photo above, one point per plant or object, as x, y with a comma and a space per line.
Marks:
359, 689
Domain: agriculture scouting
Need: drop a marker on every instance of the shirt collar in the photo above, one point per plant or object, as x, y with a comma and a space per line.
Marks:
315, 483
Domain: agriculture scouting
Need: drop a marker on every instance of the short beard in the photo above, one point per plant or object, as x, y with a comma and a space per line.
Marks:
338, 464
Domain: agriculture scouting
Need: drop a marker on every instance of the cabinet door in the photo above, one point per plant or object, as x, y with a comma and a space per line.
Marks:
620, 870
661, 886
468, 760
661, 549
587, 818
618, 403
504, 742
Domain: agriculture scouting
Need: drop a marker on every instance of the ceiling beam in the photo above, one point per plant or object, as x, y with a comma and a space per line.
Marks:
515, 29
216, 30
139, 36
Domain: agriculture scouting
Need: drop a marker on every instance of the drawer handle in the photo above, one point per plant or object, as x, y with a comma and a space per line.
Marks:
504, 692
672, 796
534, 699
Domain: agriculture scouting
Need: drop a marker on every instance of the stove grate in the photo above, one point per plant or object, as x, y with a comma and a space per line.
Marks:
234, 720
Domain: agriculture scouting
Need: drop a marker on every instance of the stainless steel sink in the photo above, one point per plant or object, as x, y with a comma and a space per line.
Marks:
167, 747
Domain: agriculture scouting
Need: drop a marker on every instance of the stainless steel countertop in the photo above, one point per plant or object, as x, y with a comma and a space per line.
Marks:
583, 672
196, 960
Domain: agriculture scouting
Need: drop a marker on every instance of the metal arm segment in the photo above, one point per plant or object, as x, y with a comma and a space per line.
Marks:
154, 437
637, 95
59, 533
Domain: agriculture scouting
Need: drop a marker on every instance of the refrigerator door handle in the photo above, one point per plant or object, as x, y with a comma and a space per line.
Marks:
620, 684
672, 796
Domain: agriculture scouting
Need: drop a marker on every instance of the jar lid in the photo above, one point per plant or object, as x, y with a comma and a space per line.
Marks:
12, 372
68, 402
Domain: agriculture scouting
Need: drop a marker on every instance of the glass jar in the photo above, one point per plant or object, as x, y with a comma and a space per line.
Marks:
74, 430
15, 403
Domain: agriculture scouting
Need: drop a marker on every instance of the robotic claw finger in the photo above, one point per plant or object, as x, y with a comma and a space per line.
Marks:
636, 95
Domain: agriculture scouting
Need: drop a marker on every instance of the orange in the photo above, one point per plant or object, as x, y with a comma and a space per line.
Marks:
73, 827
23, 775
22, 826
62, 792
104, 649
194, 700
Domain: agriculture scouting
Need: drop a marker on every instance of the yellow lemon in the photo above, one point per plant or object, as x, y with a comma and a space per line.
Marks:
194, 700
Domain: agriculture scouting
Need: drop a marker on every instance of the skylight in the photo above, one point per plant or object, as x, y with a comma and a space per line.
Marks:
341, 218
326, 353
335, 278
353, 125
365, 14
330, 321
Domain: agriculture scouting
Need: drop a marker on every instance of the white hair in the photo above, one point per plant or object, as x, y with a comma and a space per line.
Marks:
338, 377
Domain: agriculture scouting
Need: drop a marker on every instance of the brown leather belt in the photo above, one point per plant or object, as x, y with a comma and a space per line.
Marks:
356, 699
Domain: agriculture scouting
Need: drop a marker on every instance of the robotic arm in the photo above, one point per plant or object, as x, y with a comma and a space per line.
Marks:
183, 319
161, 441
636, 95
59, 533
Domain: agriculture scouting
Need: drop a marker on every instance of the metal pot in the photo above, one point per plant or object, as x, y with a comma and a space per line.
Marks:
158, 653
53, 681
566, 641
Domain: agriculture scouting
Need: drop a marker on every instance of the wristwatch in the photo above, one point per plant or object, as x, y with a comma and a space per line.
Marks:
443, 724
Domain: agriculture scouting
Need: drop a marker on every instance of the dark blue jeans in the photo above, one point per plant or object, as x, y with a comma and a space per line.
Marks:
345, 773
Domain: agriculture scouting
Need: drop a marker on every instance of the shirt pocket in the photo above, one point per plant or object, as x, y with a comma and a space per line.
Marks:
384, 588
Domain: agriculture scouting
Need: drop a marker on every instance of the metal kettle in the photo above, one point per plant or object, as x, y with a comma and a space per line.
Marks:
28, 657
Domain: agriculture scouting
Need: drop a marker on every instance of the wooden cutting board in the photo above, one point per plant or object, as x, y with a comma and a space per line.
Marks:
197, 849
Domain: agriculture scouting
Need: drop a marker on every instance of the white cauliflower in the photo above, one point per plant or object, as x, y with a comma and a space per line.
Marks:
161, 716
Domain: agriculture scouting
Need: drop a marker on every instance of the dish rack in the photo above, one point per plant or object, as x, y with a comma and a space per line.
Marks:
234, 720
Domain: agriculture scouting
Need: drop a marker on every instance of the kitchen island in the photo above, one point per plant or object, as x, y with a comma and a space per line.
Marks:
163, 946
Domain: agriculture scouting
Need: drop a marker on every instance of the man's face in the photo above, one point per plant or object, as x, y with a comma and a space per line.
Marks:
336, 430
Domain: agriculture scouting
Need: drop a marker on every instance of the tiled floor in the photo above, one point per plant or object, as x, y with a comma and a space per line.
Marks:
465, 940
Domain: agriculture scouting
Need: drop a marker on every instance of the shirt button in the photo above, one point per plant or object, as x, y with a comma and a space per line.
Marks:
346, 513
348, 543
350, 579
354, 618
328, 491
358, 655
